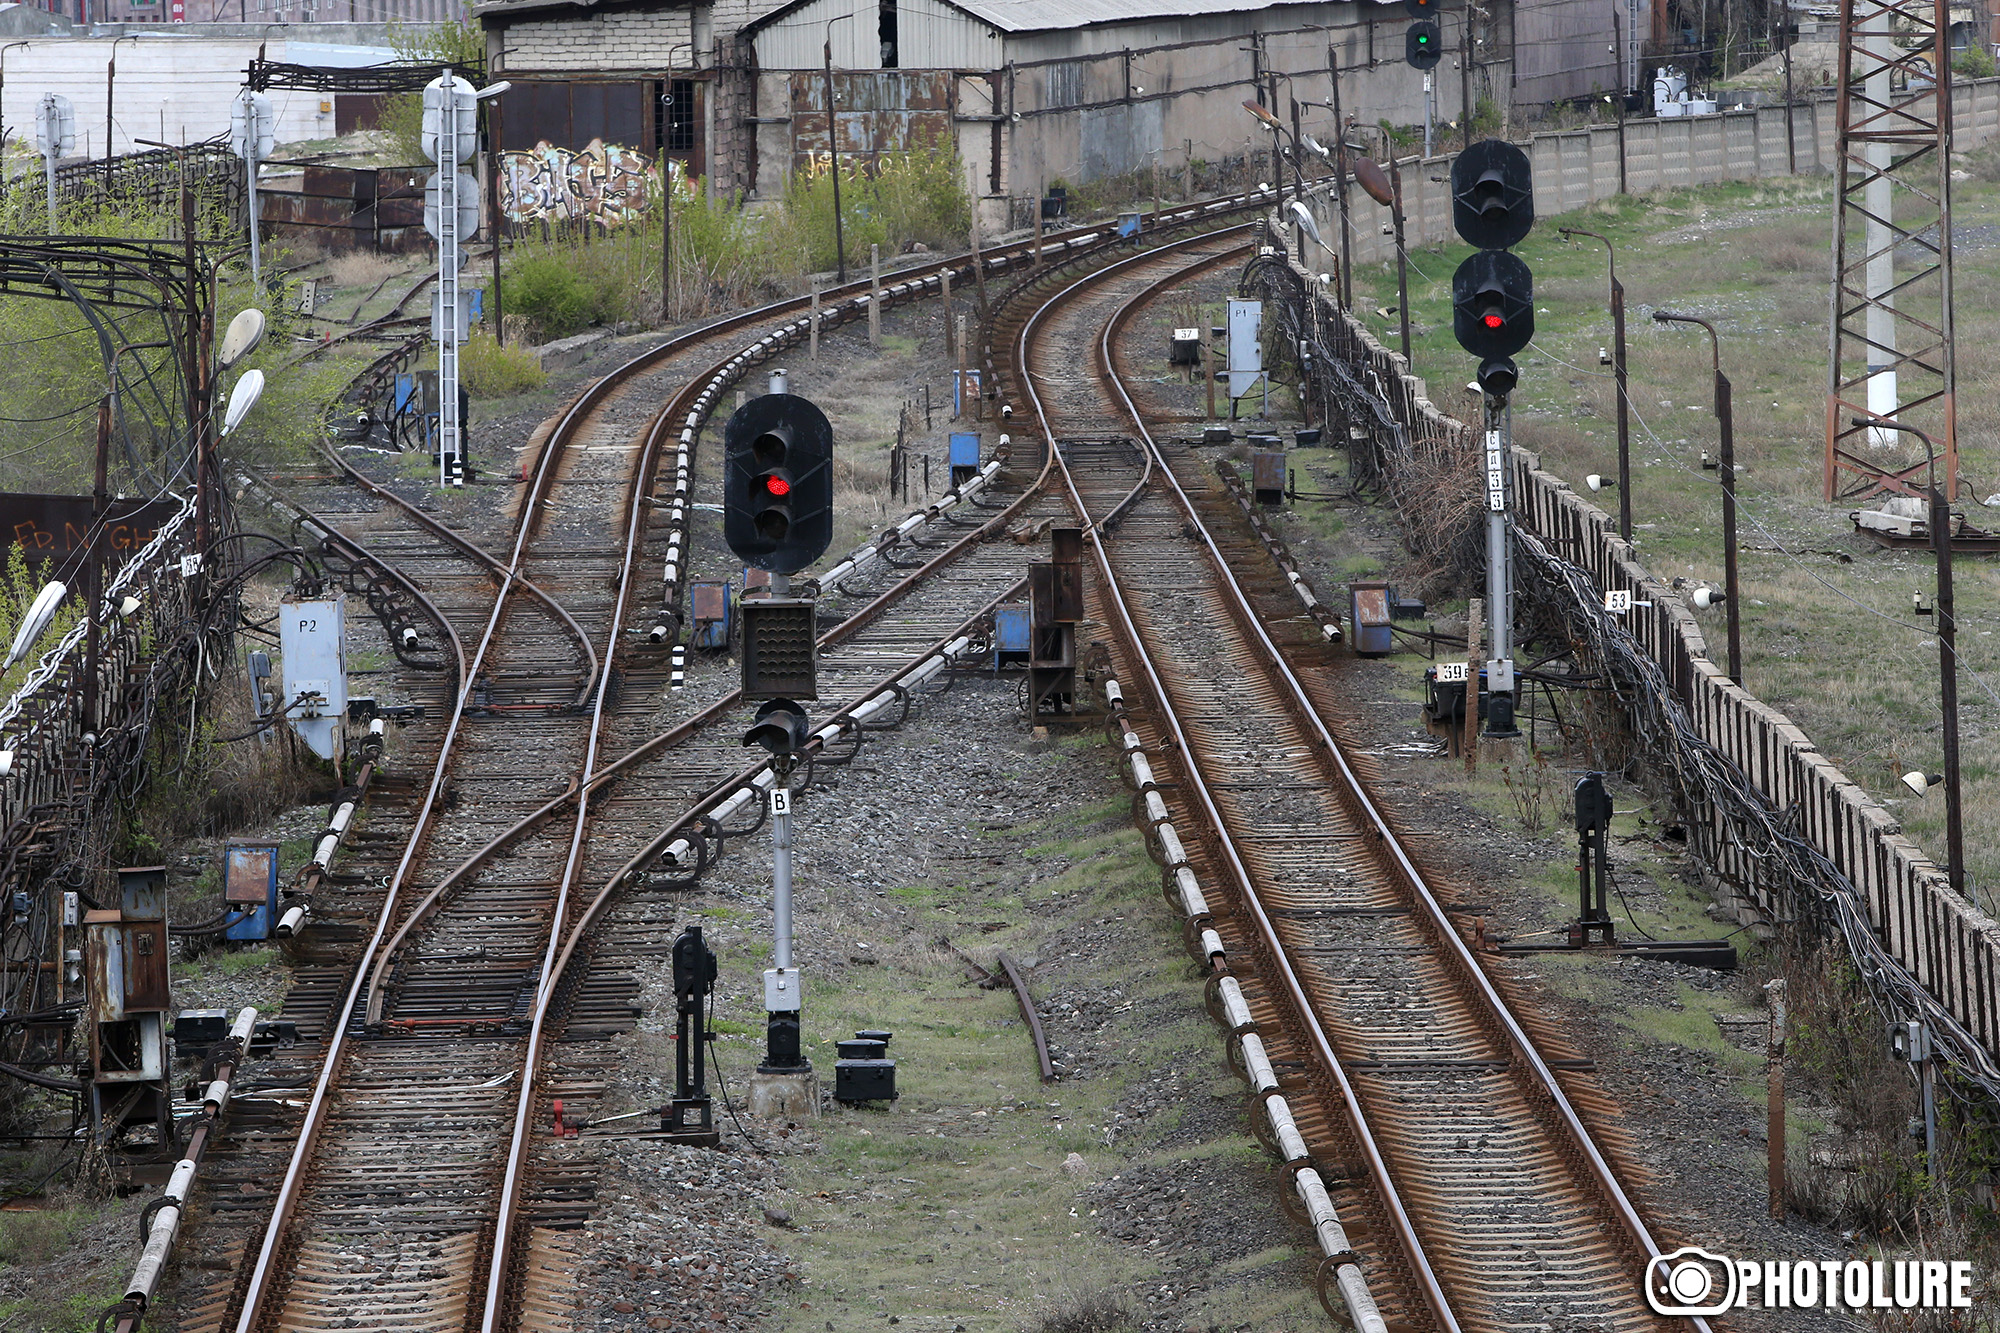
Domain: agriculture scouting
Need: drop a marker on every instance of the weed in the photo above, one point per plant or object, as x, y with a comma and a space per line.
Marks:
1533, 788
493, 371
1100, 1311
360, 268
35, 1237
557, 296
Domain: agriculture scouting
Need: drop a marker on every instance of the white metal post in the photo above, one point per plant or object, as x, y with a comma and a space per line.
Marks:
250, 147
450, 473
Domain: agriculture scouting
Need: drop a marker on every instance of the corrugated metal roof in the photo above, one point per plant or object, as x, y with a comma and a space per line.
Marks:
1055, 15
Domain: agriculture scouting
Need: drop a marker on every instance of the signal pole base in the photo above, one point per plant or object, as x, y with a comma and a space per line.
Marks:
793, 1095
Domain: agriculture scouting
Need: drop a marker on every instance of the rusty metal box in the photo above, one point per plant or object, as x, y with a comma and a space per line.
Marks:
710, 602
1368, 604
1267, 478
1055, 591
125, 965
142, 893
249, 871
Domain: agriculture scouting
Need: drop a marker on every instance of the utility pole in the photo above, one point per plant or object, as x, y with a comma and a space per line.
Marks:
1618, 376
1340, 182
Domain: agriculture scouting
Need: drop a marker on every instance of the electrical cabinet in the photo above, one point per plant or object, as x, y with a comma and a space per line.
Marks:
312, 637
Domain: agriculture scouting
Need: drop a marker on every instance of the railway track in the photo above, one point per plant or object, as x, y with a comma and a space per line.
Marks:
1449, 1153
390, 1211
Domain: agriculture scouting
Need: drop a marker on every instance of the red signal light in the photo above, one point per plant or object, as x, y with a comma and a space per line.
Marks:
777, 486
1492, 320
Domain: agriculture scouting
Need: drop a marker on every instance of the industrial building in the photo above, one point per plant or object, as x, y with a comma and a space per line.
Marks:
1031, 92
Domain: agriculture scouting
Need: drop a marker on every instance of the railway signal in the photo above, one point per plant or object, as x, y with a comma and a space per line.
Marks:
777, 466
1423, 42
1493, 317
781, 728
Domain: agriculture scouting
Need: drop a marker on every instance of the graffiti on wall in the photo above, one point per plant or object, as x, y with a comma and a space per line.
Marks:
601, 183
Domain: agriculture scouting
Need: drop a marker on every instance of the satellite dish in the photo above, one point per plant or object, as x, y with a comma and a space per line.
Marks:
1374, 181
40, 612
241, 399
242, 337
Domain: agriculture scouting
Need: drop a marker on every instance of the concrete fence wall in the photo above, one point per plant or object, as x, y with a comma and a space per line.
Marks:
1578, 167
1948, 945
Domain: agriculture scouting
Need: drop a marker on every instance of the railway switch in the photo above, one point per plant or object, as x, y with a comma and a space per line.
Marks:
690, 1116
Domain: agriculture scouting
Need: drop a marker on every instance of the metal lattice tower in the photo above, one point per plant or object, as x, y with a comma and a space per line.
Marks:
1891, 344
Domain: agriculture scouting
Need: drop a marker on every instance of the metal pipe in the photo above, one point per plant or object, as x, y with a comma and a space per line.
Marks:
1726, 426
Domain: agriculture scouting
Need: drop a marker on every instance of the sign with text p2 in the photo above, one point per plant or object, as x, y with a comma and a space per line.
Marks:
1693, 1282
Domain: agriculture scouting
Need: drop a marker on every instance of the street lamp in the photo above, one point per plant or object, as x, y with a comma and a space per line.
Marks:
1726, 425
667, 186
1618, 373
1278, 130
833, 152
1386, 189
1940, 522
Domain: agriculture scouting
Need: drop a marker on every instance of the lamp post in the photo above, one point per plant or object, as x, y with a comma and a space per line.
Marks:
1618, 373
1727, 429
1386, 189
833, 151
1278, 131
667, 187
1940, 522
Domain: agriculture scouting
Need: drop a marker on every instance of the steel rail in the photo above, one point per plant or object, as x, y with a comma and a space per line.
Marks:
1496, 1008
260, 1279
1391, 1199
496, 1315
472, 551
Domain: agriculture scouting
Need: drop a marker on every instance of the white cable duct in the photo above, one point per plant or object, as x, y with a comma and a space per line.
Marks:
1242, 1024
681, 852
167, 1219
869, 552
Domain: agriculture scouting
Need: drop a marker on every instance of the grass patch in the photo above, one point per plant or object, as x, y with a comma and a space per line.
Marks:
1827, 634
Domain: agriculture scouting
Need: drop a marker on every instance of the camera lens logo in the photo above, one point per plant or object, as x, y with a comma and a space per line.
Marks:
1690, 1281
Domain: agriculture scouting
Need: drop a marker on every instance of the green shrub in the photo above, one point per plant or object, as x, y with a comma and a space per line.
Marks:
554, 293
914, 196
1974, 62
489, 370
